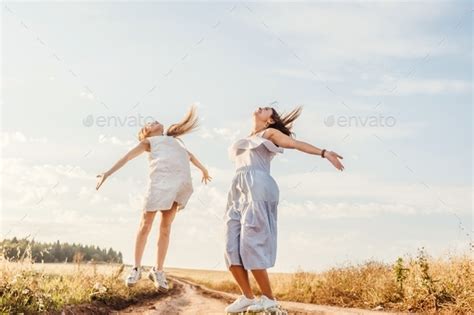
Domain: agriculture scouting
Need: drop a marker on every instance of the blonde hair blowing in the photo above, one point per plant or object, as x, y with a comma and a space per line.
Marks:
143, 133
187, 125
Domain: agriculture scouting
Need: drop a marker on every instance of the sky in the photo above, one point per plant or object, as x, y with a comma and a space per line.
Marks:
387, 85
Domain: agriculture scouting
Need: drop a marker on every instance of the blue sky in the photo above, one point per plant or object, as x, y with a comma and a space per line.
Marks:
388, 85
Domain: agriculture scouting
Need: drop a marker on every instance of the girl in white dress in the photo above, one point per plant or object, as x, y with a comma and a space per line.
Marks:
170, 187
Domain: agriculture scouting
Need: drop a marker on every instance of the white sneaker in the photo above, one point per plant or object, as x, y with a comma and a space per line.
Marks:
264, 304
240, 305
133, 277
159, 279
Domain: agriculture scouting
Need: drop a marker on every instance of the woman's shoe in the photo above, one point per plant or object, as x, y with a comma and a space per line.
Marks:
264, 304
133, 277
159, 279
240, 305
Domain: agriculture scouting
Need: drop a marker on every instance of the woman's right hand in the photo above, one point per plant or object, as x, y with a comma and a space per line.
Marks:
333, 157
102, 177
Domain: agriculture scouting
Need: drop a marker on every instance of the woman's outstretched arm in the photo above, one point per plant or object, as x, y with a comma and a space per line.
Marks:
133, 153
284, 141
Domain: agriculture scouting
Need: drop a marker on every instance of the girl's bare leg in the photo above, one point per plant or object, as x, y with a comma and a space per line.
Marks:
261, 276
242, 277
142, 235
167, 218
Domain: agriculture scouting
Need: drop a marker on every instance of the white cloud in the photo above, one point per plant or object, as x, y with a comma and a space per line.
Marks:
342, 195
307, 75
419, 86
340, 127
224, 133
339, 210
115, 141
354, 31
206, 133
37, 186
87, 95
304, 240
74, 211
17, 137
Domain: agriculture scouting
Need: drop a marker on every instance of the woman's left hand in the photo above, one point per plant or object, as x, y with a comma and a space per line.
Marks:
205, 177
101, 179
333, 157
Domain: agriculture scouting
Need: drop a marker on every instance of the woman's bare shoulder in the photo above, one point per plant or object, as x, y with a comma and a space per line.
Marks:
271, 132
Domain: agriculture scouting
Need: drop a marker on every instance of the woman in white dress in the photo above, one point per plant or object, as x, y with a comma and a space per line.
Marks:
252, 207
170, 187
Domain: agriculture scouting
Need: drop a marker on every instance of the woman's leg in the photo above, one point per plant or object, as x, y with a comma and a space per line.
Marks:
142, 235
242, 277
167, 217
261, 276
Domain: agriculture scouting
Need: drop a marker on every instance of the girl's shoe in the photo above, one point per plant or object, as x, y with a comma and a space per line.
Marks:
159, 279
133, 277
240, 305
264, 304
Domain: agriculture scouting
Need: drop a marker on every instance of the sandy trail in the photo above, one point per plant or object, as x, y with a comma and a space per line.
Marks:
188, 301
191, 298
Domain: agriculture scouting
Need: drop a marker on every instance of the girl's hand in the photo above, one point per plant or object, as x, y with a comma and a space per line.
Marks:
205, 177
333, 157
102, 177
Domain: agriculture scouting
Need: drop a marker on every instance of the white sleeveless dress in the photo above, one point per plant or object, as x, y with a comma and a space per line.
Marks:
170, 174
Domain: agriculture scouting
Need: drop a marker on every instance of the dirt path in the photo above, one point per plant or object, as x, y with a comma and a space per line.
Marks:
188, 301
193, 299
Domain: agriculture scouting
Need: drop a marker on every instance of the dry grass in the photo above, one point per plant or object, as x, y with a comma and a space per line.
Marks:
34, 288
221, 280
419, 284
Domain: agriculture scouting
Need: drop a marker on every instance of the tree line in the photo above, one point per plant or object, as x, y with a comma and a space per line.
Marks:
18, 249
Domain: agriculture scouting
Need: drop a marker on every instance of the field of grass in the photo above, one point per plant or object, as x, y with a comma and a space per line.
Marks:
36, 288
418, 284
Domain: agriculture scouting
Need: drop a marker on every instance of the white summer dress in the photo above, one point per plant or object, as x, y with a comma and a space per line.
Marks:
252, 202
170, 174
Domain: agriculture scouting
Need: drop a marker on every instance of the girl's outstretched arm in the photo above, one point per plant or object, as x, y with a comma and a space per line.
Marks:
205, 174
284, 141
133, 153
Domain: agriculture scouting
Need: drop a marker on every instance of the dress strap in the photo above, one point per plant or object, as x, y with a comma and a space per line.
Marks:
180, 142
260, 133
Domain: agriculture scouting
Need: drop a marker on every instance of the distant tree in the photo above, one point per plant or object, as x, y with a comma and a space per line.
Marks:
15, 249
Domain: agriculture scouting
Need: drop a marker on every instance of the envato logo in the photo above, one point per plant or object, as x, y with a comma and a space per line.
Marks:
116, 121
360, 121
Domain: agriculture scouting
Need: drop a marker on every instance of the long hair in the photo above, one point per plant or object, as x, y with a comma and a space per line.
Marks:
188, 124
284, 122
142, 134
